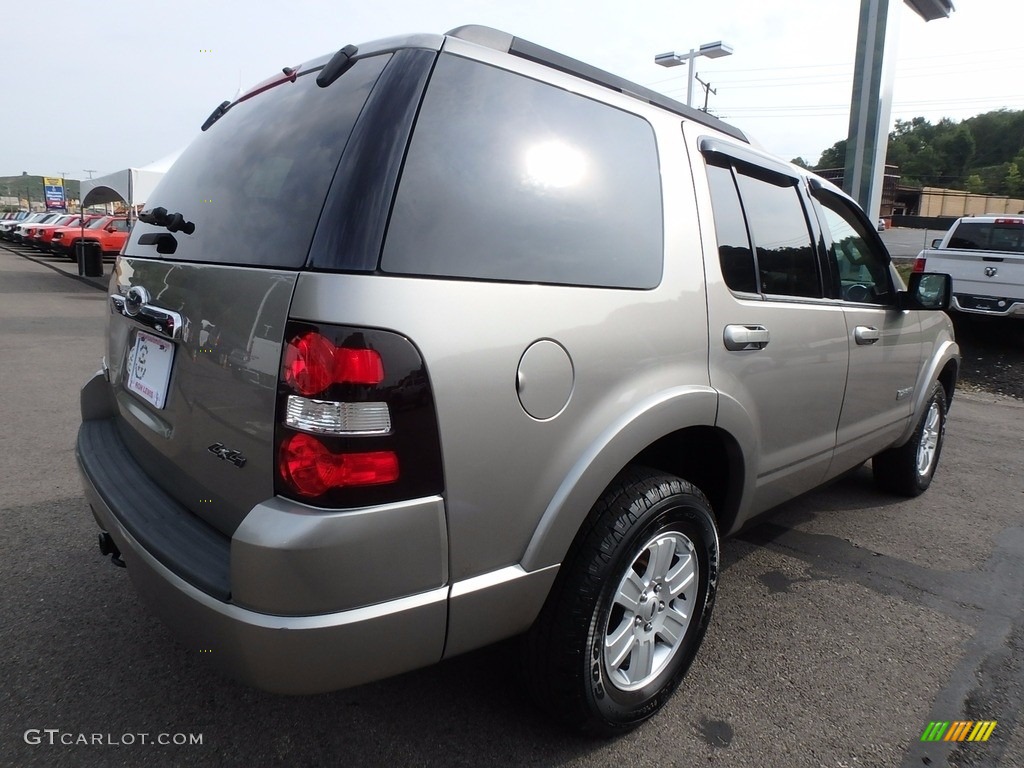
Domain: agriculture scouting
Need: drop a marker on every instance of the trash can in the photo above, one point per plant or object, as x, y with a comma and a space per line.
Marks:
90, 259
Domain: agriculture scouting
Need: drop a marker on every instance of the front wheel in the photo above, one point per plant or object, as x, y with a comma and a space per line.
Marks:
909, 469
630, 606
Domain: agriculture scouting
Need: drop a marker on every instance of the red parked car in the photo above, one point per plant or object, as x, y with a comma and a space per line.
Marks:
41, 235
46, 242
109, 232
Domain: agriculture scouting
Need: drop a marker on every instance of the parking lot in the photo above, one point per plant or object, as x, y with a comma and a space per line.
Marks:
846, 621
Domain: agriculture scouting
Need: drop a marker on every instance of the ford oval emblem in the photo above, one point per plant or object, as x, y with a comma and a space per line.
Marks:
137, 298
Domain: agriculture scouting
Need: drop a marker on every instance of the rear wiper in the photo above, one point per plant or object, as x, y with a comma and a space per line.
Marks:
290, 73
172, 222
216, 115
339, 64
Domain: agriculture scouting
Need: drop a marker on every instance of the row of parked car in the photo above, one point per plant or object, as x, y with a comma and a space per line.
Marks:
60, 233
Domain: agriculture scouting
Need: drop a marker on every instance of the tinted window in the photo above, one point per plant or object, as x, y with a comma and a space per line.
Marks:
730, 227
861, 268
508, 178
785, 255
984, 236
255, 182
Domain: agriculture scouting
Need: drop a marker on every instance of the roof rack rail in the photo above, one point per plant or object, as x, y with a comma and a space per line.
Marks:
524, 49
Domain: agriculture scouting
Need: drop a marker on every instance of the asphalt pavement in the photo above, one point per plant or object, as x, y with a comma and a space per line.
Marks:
846, 622
904, 243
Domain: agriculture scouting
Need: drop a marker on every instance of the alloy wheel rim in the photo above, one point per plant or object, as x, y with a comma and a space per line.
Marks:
929, 445
651, 610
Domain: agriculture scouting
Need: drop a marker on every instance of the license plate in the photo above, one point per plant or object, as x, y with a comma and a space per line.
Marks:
149, 368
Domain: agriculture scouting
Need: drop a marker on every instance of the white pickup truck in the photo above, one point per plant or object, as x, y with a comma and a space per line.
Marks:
985, 257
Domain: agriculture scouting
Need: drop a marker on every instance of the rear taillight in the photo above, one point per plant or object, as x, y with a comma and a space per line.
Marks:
313, 469
356, 421
312, 364
919, 264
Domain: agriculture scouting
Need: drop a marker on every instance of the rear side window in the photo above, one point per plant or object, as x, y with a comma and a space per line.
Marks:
734, 252
786, 262
764, 207
508, 178
255, 182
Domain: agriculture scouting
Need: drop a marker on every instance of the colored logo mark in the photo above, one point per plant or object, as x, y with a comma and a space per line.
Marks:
959, 730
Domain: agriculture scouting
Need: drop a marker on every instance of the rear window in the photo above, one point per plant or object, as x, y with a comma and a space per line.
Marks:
988, 236
255, 182
508, 178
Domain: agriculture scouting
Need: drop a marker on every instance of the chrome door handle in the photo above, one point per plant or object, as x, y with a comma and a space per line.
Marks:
865, 334
739, 338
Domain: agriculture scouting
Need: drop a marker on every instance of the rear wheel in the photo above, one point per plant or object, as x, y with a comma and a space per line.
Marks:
630, 606
908, 470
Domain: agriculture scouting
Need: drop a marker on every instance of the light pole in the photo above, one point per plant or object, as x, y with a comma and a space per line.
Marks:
672, 59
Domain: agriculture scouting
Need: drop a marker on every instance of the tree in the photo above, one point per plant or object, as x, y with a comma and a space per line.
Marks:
833, 157
801, 162
957, 147
974, 154
1013, 182
975, 185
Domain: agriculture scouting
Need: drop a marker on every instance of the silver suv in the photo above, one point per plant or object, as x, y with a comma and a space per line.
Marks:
448, 339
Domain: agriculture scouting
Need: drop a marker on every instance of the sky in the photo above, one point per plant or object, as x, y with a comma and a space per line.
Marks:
96, 87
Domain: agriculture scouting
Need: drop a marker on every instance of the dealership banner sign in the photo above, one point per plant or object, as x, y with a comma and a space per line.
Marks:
53, 189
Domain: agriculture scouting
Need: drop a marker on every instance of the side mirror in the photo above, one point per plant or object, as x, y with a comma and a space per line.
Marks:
110, 228
927, 290
936, 242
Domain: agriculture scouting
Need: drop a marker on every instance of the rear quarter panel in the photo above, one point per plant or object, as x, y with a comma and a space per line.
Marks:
508, 474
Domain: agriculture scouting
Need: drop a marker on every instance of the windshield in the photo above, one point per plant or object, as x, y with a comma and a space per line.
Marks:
255, 182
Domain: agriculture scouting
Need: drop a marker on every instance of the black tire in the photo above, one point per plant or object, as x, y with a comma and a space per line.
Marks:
568, 668
909, 469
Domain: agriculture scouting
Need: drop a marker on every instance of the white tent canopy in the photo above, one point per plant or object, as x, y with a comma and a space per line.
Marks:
132, 185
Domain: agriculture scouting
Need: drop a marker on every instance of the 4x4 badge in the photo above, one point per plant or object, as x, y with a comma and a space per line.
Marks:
221, 452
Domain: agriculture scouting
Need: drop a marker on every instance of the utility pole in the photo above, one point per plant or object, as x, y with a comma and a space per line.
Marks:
90, 172
707, 91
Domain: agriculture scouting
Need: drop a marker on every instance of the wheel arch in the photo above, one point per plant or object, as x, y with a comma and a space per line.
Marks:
677, 436
942, 368
948, 378
707, 456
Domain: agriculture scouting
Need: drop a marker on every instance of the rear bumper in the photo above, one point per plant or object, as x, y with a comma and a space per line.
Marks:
992, 306
369, 585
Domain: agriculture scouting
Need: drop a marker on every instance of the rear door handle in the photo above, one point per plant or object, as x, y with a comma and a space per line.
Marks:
739, 338
865, 334
163, 321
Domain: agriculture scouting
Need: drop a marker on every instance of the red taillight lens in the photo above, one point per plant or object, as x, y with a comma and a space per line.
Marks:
357, 366
311, 469
312, 363
919, 264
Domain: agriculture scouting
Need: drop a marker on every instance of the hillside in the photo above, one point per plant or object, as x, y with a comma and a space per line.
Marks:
19, 186
983, 154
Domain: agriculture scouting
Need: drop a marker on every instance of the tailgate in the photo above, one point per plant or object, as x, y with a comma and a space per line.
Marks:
980, 273
196, 406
